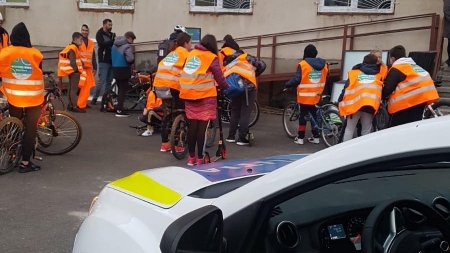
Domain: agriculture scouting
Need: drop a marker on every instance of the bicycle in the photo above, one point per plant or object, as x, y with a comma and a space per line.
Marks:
49, 126
53, 92
225, 112
136, 94
329, 122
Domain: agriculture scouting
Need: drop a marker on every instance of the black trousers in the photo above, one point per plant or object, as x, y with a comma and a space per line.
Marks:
31, 118
122, 88
240, 113
305, 110
409, 115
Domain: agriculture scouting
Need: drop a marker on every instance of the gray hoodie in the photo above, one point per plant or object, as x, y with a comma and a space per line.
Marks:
122, 58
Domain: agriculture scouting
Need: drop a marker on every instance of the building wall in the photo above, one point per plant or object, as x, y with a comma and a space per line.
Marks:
51, 23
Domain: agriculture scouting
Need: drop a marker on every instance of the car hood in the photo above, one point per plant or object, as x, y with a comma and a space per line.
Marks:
165, 187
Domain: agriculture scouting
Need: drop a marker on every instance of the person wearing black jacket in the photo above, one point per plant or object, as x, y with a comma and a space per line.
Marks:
105, 40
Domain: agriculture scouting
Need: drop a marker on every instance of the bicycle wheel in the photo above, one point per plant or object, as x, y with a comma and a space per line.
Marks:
10, 143
59, 103
58, 134
331, 127
178, 137
254, 115
291, 113
211, 131
132, 96
440, 108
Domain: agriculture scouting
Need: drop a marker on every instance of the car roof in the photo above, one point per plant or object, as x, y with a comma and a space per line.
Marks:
417, 136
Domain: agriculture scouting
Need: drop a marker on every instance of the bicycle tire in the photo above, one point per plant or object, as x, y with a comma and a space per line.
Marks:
59, 103
132, 98
73, 145
8, 164
174, 136
336, 125
287, 117
252, 122
212, 129
428, 114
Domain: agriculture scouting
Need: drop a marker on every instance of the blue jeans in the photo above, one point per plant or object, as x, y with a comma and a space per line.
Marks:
105, 77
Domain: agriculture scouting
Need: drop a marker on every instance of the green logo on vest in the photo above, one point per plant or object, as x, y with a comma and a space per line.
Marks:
419, 70
192, 65
364, 78
21, 69
315, 76
171, 59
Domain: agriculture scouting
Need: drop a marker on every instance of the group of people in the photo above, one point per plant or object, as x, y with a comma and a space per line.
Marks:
78, 62
407, 88
189, 79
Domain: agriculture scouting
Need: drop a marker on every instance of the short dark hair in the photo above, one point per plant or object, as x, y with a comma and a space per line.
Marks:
85, 26
106, 20
397, 52
370, 59
130, 35
76, 35
228, 38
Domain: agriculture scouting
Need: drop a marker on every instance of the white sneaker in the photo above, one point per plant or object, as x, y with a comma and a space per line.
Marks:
314, 140
147, 133
298, 141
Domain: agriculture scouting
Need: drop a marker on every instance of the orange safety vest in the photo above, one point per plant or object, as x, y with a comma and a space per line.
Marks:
86, 53
311, 85
224, 52
169, 69
152, 100
64, 68
5, 41
23, 81
383, 70
416, 89
196, 81
363, 90
243, 68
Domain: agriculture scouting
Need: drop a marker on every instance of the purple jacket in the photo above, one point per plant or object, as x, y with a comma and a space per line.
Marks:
215, 70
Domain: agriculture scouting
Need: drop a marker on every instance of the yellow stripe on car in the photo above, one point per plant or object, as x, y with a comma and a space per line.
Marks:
141, 185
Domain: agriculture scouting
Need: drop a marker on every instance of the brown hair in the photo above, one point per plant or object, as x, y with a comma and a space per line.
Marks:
210, 42
183, 38
397, 52
370, 59
130, 35
376, 51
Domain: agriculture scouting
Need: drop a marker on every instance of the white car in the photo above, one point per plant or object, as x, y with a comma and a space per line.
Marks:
384, 192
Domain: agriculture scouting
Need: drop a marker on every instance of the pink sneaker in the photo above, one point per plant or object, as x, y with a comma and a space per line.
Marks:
165, 147
192, 160
199, 161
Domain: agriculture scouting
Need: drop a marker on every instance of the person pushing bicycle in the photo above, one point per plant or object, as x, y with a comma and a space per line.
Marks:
310, 80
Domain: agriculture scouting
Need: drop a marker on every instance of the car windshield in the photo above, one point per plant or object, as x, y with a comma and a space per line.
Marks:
423, 182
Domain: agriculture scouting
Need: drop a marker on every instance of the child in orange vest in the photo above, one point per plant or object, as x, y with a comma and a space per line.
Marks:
152, 113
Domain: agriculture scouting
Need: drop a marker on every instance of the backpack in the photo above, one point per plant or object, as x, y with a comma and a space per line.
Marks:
109, 101
163, 50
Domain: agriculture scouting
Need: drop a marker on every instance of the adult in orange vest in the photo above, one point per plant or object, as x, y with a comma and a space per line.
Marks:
245, 68
167, 83
23, 86
87, 53
381, 65
310, 80
198, 88
408, 87
70, 65
361, 96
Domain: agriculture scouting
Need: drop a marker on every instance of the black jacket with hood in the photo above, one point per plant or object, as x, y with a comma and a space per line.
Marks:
369, 69
20, 37
105, 41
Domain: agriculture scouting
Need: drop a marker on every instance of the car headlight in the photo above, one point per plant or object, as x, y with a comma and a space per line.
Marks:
94, 200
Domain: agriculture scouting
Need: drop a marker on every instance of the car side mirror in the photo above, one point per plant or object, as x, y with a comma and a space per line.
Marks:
198, 231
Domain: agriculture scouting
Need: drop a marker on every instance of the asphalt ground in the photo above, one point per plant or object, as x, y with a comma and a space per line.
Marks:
41, 212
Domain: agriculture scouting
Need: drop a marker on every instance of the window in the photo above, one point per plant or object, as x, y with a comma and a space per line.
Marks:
356, 6
14, 3
107, 4
223, 6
